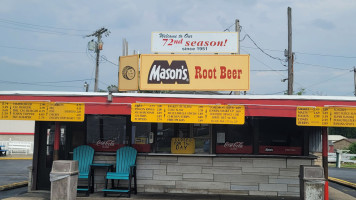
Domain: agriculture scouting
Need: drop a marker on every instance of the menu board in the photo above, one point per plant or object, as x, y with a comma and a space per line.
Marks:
188, 113
326, 116
41, 111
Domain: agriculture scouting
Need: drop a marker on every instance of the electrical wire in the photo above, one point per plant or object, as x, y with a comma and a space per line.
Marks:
40, 50
271, 69
324, 81
228, 28
268, 70
43, 31
314, 65
34, 28
35, 25
326, 55
104, 57
36, 84
273, 57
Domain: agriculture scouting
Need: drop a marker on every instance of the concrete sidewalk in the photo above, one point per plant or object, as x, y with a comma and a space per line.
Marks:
334, 194
45, 195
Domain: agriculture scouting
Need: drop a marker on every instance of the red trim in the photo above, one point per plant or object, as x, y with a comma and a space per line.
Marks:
142, 148
111, 148
326, 190
15, 133
121, 105
324, 141
57, 136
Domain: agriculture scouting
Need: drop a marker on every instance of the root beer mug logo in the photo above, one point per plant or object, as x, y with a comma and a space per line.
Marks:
128, 73
162, 72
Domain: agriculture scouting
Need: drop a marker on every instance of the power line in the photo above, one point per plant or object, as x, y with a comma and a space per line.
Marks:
304, 53
263, 63
320, 82
325, 55
228, 28
36, 84
40, 50
314, 65
36, 28
268, 70
301, 63
35, 25
41, 31
273, 57
104, 57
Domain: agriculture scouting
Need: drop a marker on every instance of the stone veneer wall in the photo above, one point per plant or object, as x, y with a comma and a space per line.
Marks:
219, 175
213, 175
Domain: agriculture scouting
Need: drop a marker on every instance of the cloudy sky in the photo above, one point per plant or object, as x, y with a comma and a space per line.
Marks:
42, 44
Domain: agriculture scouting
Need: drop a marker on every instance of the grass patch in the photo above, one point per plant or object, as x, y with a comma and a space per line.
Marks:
344, 165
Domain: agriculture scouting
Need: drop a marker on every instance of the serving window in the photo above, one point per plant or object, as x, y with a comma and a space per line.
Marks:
280, 136
106, 133
142, 137
259, 135
233, 139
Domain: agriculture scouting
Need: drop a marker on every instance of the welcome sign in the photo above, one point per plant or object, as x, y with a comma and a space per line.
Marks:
195, 72
194, 42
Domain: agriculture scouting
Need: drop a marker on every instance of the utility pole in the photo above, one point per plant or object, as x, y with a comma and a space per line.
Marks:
98, 48
355, 80
238, 30
290, 53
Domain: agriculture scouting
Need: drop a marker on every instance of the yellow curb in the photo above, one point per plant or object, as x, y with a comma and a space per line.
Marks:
342, 182
13, 185
15, 158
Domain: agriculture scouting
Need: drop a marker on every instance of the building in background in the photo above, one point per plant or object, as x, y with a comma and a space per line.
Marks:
17, 130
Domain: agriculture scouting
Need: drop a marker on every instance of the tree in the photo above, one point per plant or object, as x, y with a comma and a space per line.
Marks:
344, 131
352, 148
110, 88
301, 91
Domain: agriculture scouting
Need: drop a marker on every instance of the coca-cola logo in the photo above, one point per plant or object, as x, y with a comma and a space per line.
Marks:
235, 145
105, 144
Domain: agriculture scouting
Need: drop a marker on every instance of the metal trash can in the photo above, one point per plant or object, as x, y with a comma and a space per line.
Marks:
312, 182
64, 179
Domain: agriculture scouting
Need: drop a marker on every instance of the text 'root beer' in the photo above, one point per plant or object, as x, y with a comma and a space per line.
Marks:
211, 73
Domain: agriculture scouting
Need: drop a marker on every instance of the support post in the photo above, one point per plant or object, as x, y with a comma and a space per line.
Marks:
290, 53
96, 81
355, 80
325, 161
238, 30
57, 137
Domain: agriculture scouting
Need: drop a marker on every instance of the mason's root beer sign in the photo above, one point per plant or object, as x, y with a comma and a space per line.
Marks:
195, 72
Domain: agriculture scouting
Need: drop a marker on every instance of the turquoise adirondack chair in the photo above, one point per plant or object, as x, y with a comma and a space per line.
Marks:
125, 170
85, 155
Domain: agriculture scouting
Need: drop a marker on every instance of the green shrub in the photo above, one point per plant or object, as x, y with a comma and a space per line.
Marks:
352, 148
